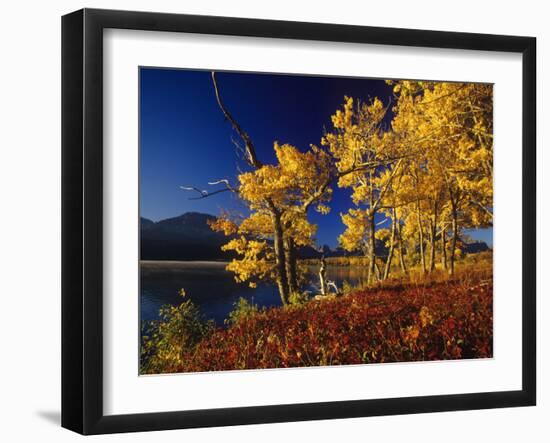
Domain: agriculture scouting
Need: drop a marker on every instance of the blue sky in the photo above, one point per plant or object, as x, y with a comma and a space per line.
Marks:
185, 140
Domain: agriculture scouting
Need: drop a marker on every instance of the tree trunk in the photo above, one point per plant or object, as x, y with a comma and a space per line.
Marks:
421, 238
444, 248
390, 252
291, 271
431, 265
400, 248
322, 276
433, 233
377, 270
372, 247
453, 238
280, 262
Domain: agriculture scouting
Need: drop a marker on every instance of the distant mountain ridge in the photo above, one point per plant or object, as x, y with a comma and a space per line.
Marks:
189, 237
186, 237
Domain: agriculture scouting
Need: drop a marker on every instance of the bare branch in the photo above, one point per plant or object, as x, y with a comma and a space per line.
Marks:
318, 194
481, 206
217, 182
225, 182
371, 165
388, 183
250, 151
210, 194
203, 193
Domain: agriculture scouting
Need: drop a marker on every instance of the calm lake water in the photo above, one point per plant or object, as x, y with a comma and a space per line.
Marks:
214, 289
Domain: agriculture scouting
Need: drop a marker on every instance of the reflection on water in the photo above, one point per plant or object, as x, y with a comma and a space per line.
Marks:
213, 288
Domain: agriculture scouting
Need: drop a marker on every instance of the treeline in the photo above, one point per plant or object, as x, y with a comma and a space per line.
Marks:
416, 184
473, 257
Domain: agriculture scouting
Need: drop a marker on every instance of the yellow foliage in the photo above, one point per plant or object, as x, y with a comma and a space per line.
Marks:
430, 172
356, 230
284, 192
224, 225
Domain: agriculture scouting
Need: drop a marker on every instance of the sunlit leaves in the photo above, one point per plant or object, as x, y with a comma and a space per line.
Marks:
224, 225
277, 193
357, 229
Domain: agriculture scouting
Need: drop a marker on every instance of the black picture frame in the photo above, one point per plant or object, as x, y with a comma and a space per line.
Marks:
82, 217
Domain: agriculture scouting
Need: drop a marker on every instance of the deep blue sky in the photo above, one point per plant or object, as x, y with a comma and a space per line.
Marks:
185, 139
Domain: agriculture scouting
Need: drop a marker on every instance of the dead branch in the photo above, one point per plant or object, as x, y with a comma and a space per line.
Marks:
203, 193
250, 151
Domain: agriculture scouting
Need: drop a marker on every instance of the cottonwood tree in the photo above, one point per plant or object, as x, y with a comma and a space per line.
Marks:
434, 176
358, 138
449, 125
278, 197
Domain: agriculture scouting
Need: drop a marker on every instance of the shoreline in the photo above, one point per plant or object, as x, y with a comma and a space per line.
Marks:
181, 263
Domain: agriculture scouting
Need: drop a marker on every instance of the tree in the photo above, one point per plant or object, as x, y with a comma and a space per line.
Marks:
278, 198
450, 127
358, 138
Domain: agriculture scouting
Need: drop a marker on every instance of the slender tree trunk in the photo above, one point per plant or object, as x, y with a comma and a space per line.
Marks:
372, 247
377, 273
431, 263
390, 252
291, 271
280, 262
322, 276
444, 248
400, 248
433, 233
420, 237
454, 238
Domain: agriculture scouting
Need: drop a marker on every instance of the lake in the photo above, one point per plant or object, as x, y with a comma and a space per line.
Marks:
214, 289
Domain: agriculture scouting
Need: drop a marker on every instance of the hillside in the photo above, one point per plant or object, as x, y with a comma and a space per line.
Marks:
186, 237
415, 322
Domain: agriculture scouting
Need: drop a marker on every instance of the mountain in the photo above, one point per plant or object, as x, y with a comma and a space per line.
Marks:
145, 223
475, 247
186, 237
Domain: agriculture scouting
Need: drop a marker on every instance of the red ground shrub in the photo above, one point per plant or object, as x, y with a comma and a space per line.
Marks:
437, 322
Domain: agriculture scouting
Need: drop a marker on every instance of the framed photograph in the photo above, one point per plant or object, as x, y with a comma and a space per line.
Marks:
269, 221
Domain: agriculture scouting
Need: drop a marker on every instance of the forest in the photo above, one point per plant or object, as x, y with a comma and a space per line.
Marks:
420, 172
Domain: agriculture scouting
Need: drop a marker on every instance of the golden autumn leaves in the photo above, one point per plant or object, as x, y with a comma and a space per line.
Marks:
424, 167
437, 173
286, 190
